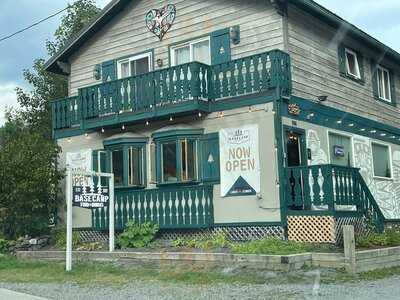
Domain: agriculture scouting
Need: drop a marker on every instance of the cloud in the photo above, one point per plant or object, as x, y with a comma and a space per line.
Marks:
8, 98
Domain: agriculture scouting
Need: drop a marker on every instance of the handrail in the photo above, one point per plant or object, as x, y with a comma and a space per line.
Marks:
171, 86
328, 187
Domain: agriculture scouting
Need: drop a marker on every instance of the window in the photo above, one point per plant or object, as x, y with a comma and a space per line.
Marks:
169, 162
352, 65
135, 65
384, 84
118, 166
340, 150
188, 159
198, 50
128, 160
382, 160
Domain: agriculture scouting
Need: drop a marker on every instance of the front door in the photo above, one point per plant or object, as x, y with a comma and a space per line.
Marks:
295, 156
295, 148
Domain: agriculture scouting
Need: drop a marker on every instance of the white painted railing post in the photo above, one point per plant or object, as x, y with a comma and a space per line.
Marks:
112, 212
349, 244
68, 261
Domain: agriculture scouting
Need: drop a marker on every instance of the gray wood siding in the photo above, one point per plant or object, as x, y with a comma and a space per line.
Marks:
313, 47
126, 34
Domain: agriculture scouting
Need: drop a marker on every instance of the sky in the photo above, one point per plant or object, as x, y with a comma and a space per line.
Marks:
378, 18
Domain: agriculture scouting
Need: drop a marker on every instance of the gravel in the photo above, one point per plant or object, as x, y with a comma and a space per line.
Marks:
387, 289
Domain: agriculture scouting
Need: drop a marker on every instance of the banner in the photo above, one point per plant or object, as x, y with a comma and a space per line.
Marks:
239, 161
80, 161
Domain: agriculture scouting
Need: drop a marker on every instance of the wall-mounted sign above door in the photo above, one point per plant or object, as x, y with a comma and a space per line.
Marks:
159, 21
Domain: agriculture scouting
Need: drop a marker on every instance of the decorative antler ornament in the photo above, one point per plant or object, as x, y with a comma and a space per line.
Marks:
159, 21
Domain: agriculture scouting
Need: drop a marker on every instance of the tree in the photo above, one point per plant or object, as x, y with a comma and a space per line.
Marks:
34, 104
29, 178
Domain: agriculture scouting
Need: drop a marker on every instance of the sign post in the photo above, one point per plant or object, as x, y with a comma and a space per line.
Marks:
91, 196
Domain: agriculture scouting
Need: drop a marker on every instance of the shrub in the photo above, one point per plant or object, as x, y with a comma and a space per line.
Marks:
271, 246
385, 239
59, 238
137, 235
6, 246
216, 241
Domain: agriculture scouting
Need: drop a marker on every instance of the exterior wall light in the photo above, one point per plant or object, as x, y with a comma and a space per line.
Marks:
322, 98
234, 33
97, 72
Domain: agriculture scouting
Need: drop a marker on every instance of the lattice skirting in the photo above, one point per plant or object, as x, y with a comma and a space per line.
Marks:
322, 229
237, 233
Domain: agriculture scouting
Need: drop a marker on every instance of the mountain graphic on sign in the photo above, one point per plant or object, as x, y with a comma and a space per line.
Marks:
241, 187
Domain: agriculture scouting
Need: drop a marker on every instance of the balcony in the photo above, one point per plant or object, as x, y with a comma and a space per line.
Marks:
182, 89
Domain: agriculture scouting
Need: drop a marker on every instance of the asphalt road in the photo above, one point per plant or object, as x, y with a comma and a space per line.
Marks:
387, 289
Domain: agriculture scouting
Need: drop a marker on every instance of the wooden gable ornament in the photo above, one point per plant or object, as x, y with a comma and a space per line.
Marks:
159, 21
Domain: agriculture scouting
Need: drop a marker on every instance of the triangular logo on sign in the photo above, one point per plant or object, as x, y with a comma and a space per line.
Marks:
210, 158
241, 187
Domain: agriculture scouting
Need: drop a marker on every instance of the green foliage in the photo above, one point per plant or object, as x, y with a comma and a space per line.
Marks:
28, 155
59, 238
29, 181
385, 239
216, 241
271, 246
6, 246
137, 235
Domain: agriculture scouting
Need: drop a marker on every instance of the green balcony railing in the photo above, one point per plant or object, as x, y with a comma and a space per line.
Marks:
177, 207
330, 188
190, 83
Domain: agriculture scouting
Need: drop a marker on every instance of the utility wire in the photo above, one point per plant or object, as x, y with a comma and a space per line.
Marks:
34, 24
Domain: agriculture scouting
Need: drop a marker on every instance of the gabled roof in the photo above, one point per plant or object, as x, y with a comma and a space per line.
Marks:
309, 6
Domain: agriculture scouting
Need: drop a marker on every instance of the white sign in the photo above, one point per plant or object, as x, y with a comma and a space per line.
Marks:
239, 161
80, 162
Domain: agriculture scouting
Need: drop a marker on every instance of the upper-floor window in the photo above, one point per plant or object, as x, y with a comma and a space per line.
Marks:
381, 160
352, 64
197, 50
384, 84
134, 65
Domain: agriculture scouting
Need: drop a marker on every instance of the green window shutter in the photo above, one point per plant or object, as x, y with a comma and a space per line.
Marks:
220, 46
108, 70
209, 159
392, 87
374, 77
342, 59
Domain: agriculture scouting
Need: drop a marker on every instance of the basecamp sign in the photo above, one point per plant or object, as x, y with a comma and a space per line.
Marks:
239, 161
88, 197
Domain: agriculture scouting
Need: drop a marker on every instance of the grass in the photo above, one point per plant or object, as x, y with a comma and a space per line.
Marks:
16, 270
103, 273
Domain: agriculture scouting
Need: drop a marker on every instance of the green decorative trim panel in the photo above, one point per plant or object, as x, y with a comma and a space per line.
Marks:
177, 133
170, 208
330, 117
184, 89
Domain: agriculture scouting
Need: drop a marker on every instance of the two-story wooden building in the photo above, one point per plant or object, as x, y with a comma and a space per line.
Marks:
244, 116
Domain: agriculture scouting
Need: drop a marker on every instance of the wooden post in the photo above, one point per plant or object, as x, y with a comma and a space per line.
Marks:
349, 248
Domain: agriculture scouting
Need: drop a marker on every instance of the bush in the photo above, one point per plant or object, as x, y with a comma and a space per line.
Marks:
59, 238
385, 239
216, 241
272, 246
137, 235
6, 246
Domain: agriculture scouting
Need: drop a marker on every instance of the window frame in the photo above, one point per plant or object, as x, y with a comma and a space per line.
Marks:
125, 144
344, 135
189, 43
357, 64
148, 54
390, 160
382, 69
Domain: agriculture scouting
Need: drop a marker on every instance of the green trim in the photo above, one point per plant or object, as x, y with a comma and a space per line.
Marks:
329, 117
127, 141
243, 101
177, 133
340, 214
65, 133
